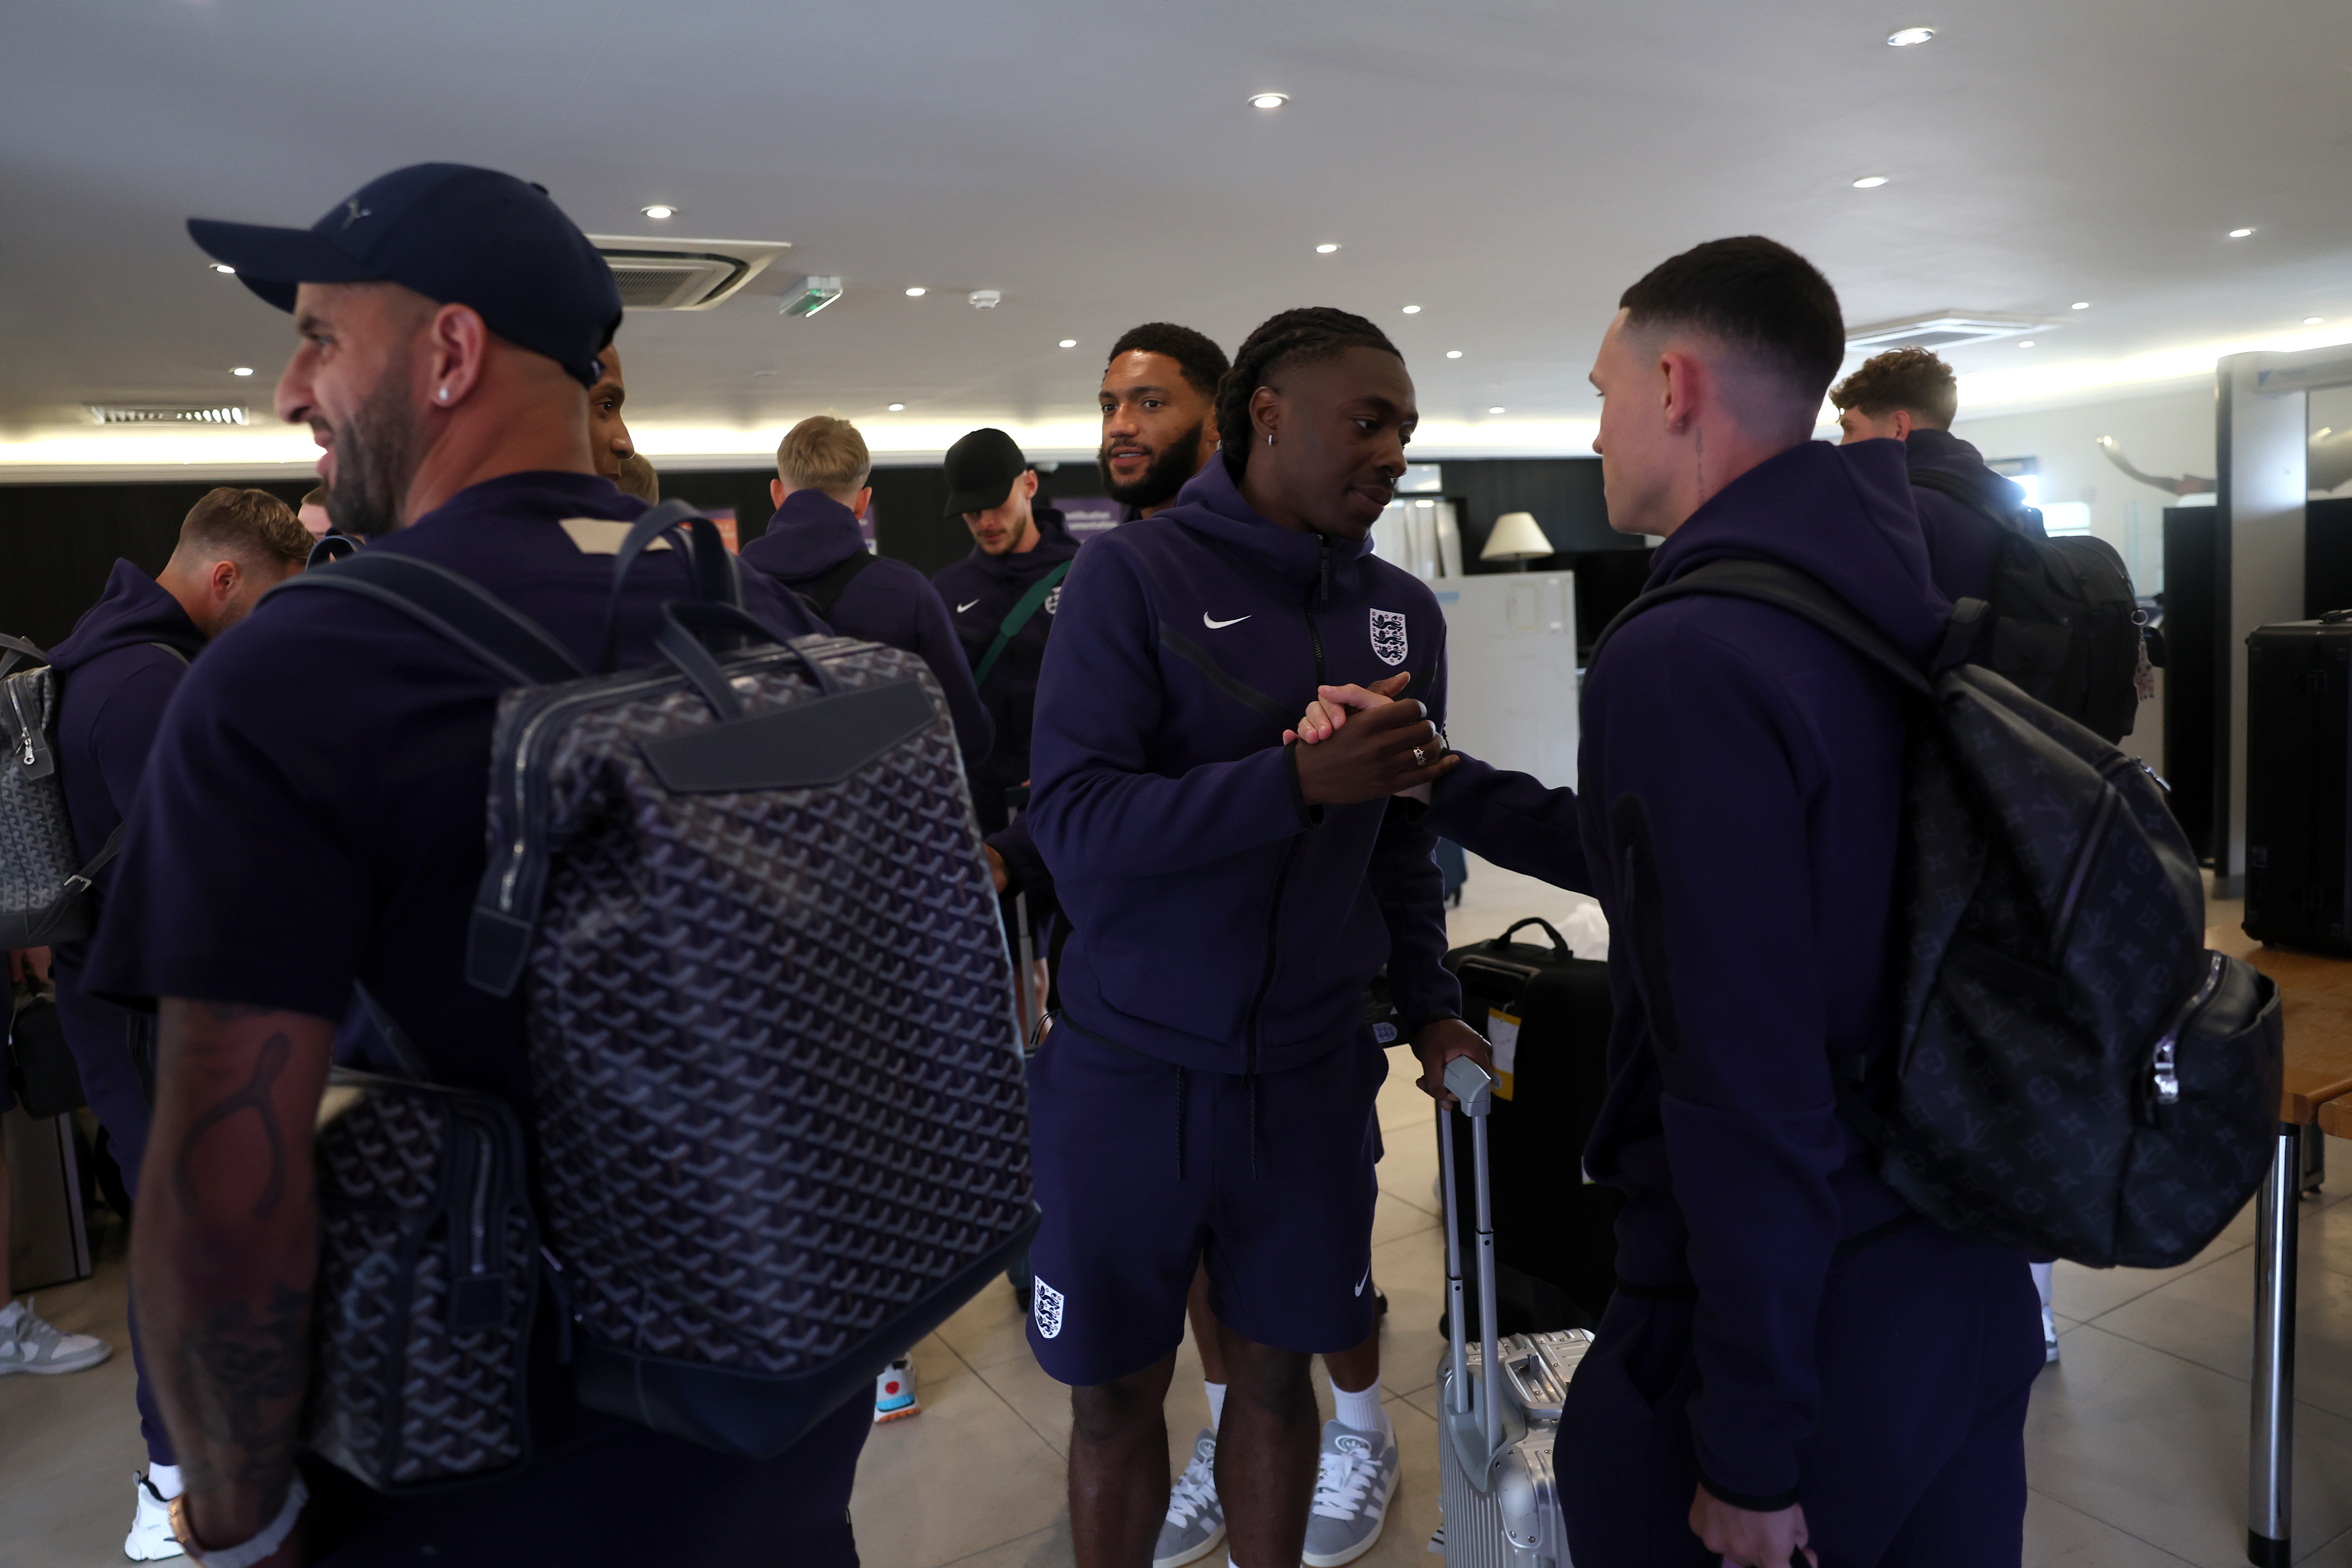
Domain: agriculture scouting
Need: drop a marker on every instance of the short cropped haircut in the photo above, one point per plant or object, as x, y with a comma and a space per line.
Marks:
1913, 379
318, 497
822, 453
1755, 295
252, 526
1202, 360
1302, 336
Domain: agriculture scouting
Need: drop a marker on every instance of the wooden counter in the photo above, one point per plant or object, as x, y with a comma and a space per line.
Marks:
2316, 993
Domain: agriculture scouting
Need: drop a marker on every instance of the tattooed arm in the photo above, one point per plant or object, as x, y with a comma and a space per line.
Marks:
224, 1253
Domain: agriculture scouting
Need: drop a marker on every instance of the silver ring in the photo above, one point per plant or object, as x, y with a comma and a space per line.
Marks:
1418, 760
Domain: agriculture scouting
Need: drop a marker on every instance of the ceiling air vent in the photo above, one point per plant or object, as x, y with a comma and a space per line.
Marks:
682, 274
1943, 330
162, 414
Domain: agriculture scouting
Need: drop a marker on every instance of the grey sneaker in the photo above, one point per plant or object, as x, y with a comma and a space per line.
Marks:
29, 1344
1196, 1525
1358, 1477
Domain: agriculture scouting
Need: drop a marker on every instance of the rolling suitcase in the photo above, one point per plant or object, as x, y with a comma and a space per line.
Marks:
1499, 1400
2299, 785
1548, 1014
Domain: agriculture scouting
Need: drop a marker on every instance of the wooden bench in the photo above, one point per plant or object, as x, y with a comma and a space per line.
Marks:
2316, 997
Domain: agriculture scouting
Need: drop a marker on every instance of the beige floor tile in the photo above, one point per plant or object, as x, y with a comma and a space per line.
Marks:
967, 1474
2207, 1316
1040, 1401
1404, 1110
2057, 1536
70, 1446
1394, 1219
2336, 1553
1047, 1548
989, 1329
2156, 1445
1411, 1272
1408, 1172
2083, 1294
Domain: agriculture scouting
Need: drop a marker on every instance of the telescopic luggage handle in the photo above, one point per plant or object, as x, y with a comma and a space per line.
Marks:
1474, 1086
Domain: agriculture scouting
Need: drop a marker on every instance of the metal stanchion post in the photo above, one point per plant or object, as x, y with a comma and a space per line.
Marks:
2270, 1502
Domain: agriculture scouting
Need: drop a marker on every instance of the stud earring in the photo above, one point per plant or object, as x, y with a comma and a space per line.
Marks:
443, 395
1269, 438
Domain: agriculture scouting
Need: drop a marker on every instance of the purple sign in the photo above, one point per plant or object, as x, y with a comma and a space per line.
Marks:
1088, 516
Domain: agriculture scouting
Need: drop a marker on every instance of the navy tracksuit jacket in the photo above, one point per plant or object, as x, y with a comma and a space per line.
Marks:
1738, 816
888, 601
1217, 921
116, 686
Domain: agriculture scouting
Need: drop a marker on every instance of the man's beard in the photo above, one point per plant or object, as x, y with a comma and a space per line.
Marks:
377, 451
1162, 478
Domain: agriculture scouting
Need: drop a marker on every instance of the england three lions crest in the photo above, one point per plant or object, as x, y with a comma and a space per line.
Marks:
1388, 636
1046, 1301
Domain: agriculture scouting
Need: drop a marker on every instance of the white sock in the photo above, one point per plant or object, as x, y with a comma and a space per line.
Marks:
1362, 1411
165, 1480
2044, 1279
1216, 1404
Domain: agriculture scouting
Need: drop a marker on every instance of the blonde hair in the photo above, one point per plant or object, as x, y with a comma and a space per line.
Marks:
252, 525
822, 453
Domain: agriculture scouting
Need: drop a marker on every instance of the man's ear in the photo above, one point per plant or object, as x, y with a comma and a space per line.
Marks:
861, 500
1903, 425
775, 492
1680, 378
1028, 484
223, 581
1265, 413
456, 344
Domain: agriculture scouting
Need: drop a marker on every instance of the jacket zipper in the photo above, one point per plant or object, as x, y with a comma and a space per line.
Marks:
1273, 952
1322, 598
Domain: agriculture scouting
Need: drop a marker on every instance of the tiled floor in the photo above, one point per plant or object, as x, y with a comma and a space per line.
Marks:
2135, 1447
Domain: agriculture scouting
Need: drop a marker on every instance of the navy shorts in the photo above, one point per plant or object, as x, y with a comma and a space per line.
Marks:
1144, 1169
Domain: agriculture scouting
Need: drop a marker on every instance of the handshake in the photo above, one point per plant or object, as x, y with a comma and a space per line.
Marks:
1388, 747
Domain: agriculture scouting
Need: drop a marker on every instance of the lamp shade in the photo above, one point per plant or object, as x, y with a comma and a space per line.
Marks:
1517, 537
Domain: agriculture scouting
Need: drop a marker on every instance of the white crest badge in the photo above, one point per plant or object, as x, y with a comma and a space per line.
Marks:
1388, 636
1046, 1303
1053, 601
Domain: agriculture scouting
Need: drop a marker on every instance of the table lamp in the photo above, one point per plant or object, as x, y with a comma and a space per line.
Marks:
1517, 537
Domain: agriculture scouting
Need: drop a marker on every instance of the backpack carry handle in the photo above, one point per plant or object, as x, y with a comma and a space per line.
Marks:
1559, 943
709, 566
686, 628
18, 648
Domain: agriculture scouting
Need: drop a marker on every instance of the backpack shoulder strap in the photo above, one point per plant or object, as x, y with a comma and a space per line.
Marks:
453, 606
1783, 588
18, 648
1967, 494
1022, 612
826, 592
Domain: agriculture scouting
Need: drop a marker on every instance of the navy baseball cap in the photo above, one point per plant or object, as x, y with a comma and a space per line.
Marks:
456, 235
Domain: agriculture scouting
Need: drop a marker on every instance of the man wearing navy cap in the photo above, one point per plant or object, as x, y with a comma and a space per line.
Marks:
324, 775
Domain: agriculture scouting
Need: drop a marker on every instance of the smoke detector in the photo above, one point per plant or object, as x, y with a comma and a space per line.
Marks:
986, 299
668, 274
814, 295
163, 414
1940, 330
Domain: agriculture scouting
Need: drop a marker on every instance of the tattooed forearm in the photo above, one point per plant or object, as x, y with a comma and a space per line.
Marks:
241, 1378
254, 1097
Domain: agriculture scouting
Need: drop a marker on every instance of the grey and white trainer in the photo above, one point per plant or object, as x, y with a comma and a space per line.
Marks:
1196, 1525
29, 1343
1352, 1490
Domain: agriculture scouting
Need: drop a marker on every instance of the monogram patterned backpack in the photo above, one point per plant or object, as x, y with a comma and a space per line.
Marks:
2074, 1071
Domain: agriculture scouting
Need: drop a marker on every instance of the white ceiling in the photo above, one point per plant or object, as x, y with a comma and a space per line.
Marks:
1508, 164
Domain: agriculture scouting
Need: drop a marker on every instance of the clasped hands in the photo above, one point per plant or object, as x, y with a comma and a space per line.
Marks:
1389, 747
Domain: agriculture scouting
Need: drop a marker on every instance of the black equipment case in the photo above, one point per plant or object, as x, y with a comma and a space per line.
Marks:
1547, 1014
2298, 802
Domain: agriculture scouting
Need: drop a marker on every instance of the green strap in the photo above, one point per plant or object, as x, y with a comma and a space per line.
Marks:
1019, 616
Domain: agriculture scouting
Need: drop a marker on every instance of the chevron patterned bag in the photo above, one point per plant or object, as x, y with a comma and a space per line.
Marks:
781, 1122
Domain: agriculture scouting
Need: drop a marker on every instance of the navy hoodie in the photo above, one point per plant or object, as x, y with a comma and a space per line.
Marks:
1737, 814
1962, 542
1217, 921
980, 591
888, 601
115, 685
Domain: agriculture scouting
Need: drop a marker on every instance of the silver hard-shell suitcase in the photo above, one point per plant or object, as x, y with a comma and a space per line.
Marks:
1498, 1400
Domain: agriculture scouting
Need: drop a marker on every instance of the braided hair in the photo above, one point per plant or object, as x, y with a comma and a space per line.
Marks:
1293, 337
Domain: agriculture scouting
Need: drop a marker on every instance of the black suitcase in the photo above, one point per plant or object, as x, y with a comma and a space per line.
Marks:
2298, 741
1548, 1016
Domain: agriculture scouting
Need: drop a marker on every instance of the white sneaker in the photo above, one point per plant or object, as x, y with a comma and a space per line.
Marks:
150, 1539
1196, 1525
894, 1391
1358, 1477
2049, 1337
29, 1344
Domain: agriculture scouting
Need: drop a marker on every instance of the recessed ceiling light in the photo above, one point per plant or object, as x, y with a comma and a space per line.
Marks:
1269, 100
2312, 321
2026, 344
242, 369
2240, 233
659, 209
223, 267
1453, 353
1495, 410
1870, 182
2080, 305
897, 408
1069, 343
1412, 310
1904, 37
917, 293
1325, 249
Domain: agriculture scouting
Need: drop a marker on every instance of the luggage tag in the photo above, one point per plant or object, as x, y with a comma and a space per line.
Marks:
1503, 1034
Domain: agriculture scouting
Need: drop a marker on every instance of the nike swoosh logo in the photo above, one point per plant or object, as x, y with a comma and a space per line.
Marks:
1364, 1281
962, 608
1219, 625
